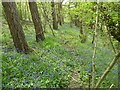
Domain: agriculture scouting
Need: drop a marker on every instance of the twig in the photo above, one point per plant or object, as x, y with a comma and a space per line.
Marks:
95, 46
74, 79
110, 39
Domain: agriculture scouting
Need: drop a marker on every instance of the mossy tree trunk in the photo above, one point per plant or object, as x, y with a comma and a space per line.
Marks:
16, 29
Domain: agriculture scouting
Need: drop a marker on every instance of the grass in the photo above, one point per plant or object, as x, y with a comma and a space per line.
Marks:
54, 60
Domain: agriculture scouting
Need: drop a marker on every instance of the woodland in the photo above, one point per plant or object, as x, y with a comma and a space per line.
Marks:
60, 45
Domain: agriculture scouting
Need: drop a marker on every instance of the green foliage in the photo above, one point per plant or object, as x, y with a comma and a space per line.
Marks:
53, 61
56, 58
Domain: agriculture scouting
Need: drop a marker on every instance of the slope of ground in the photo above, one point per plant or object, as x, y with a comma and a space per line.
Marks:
60, 61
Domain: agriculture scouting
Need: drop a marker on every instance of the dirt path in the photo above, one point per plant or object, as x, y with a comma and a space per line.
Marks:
75, 81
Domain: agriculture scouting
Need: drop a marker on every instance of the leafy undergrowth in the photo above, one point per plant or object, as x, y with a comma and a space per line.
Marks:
53, 61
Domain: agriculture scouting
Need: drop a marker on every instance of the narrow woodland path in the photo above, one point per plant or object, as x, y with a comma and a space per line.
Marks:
67, 44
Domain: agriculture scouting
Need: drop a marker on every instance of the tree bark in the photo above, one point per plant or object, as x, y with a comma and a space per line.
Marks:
54, 16
60, 17
16, 29
37, 21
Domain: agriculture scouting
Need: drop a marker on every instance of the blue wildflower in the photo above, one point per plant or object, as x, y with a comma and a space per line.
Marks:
61, 63
5, 50
34, 76
21, 68
63, 73
29, 58
25, 62
8, 76
47, 50
25, 55
10, 86
88, 50
38, 72
90, 64
26, 81
108, 50
45, 73
3, 85
81, 63
56, 58
88, 69
33, 63
27, 74
115, 72
11, 57
51, 75
14, 73
70, 50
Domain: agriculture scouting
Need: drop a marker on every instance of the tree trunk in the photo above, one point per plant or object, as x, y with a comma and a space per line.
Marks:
16, 29
82, 34
81, 27
54, 16
60, 17
95, 48
37, 21
46, 17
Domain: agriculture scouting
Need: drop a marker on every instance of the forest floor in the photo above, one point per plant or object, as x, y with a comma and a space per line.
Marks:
60, 61
74, 81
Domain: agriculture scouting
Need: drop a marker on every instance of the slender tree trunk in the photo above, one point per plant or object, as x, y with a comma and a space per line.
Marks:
70, 16
16, 29
76, 21
47, 18
54, 16
82, 34
81, 27
95, 47
37, 21
60, 17
109, 36
28, 11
